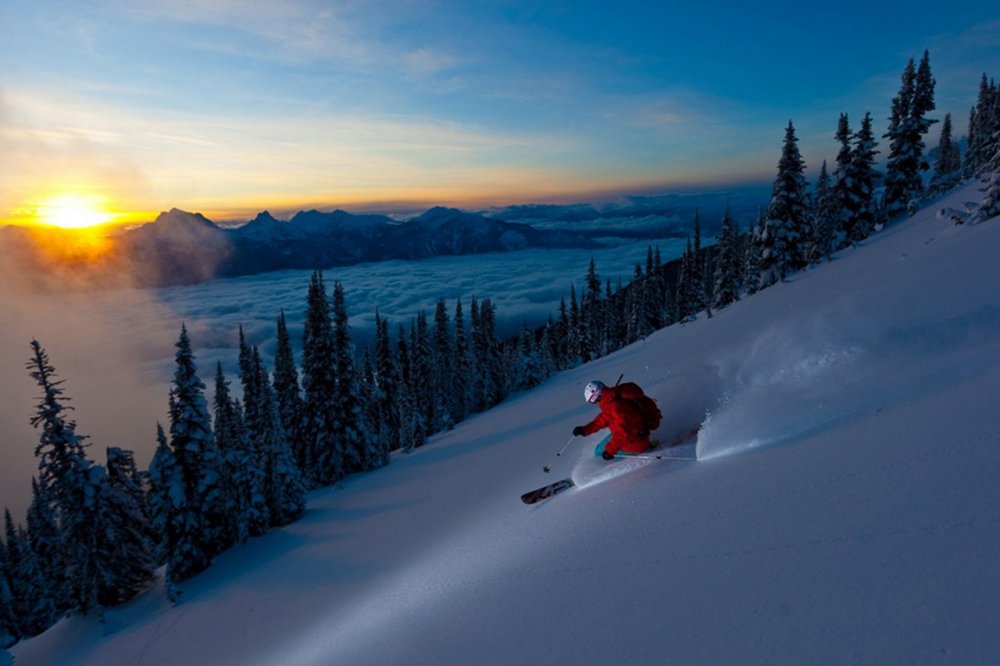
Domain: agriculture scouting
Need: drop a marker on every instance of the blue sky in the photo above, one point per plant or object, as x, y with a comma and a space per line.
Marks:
232, 106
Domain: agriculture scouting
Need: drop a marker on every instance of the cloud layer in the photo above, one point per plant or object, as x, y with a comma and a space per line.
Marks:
114, 348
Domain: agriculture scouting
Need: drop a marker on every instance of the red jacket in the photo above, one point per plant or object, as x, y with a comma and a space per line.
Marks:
628, 428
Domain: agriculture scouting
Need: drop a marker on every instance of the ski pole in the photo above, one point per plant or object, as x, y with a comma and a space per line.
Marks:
547, 469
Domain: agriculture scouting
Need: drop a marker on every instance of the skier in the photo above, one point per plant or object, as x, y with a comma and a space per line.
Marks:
626, 411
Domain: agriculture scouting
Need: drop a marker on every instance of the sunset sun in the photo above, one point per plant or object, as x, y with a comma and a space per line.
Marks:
72, 211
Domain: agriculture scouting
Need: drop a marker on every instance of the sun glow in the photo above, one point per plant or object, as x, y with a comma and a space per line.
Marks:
73, 211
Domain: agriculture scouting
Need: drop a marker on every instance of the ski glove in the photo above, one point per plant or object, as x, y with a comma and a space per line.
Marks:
577, 431
607, 456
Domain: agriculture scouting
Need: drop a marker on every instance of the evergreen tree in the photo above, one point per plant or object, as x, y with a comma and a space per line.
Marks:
412, 430
17, 590
282, 488
545, 360
371, 410
753, 249
387, 386
653, 293
842, 187
9, 633
989, 158
442, 370
862, 179
462, 369
989, 207
948, 166
247, 381
688, 283
826, 218
727, 268
243, 477
197, 524
613, 337
634, 308
356, 443
530, 372
574, 337
420, 369
324, 464
288, 392
249, 475
591, 315
560, 340
68, 480
907, 125
700, 292
788, 228
486, 354
984, 122
47, 578
123, 532
165, 494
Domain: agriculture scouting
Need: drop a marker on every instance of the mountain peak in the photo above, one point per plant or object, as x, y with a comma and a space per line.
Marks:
265, 217
176, 217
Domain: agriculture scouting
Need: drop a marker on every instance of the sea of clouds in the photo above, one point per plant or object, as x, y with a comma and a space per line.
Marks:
114, 349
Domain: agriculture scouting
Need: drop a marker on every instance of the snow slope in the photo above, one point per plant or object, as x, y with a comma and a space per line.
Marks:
845, 508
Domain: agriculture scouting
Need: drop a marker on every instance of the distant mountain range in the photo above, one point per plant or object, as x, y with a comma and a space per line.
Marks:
185, 248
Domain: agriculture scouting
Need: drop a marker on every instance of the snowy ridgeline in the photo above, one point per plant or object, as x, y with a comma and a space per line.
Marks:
843, 509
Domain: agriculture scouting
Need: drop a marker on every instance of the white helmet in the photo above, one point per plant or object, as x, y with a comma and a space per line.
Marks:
592, 391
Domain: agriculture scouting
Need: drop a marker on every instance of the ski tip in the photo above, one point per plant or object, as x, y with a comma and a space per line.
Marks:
546, 492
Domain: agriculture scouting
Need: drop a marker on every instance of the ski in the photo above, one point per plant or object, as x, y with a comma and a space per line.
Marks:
546, 492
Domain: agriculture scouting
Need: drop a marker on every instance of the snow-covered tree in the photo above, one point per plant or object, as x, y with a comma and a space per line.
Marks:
984, 123
545, 360
197, 524
123, 532
752, 250
421, 363
688, 285
226, 433
9, 633
462, 367
288, 392
69, 481
788, 227
442, 369
282, 488
990, 205
826, 218
46, 575
591, 314
842, 186
485, 355
728, 271
386, 387
325, 463
530, 373
908, 123
863, 178
163, 492
948, 165
357, 444
412, 432
984, 150
20, 584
